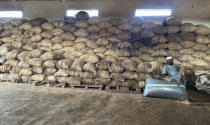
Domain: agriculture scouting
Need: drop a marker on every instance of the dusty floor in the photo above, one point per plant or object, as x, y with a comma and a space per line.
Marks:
23, 104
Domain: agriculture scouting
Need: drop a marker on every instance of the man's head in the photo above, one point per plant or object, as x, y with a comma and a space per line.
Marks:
169, 60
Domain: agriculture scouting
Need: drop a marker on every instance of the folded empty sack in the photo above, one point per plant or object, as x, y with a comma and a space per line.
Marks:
165, 89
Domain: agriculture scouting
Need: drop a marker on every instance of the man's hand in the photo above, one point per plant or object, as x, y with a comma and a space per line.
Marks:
167, 78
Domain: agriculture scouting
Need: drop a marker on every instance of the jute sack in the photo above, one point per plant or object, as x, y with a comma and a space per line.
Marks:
37, 69
64, 63
116, 67
130, 84
90, 58
25, 79
117, 76
198, 62
77, 65
49, 63
23, 64
4, 77
188, 27
62, 73
90, 67
50, 71
103, 65
172, 21
103, 74
130, 75
202, 30
38, 77
144, 67
47, 56
25, 72
13, 77
129, 65
101, 81
35, 61
115, 83
74, 80
88, 81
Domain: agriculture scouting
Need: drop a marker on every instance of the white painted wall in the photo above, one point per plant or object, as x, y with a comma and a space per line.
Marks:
196, 11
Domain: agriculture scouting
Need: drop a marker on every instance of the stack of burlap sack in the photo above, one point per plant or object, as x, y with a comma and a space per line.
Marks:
116, 52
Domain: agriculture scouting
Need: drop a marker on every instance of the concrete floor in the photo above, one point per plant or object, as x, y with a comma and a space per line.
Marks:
24, 104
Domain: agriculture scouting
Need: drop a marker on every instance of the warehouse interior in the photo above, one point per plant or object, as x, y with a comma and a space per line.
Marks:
91, 62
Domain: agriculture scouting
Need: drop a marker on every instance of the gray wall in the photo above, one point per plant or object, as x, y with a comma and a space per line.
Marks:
184, 9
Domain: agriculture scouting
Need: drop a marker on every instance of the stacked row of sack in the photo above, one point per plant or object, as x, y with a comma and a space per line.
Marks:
116, 52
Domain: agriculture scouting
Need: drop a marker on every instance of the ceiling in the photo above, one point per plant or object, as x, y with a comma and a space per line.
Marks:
186, 9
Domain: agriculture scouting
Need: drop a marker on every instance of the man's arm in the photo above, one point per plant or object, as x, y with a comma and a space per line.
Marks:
165, 74
164, 71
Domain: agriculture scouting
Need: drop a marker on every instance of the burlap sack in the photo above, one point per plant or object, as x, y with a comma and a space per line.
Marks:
81, 24
104, 25
35, 61
147, 33
203, 39
81, 32
61, 72
48, 26
94, 20
118, 76
77, 65
173, 29
130, 75
25, 72
68, 36
202, 30
188, 36
188, 27
64, 63
38, 77
93, 28
103, 74
173, 21
90, 58
50, 71
103, 65
101, 81
87, 75
91, 44
57, 32
47, 56
36, 29
35, 53
129, 65
23, 65
17, 22
25, 79
90, 67
26, 26
88, 81
46, 35
130, 84
74, 80
114, 30
198, 62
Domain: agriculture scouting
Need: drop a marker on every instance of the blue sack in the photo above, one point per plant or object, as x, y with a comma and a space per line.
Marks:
165, 89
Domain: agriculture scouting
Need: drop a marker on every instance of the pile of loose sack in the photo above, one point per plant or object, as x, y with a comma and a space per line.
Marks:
202, 81
115, 52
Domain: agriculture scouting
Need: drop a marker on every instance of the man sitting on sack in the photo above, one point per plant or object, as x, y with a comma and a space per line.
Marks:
173, 72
